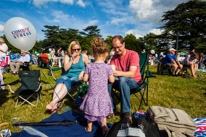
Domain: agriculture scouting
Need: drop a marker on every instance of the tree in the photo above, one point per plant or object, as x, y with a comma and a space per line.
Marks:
132, 43
188, 22
51, 33
150, 42
108, 40
91, 31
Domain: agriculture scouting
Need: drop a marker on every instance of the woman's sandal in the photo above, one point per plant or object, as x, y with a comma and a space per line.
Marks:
59, 107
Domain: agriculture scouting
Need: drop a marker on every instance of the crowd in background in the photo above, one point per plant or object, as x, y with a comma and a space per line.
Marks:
179, 61
200, 58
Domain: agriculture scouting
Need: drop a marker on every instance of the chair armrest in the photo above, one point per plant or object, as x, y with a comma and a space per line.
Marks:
12, 83
149, 74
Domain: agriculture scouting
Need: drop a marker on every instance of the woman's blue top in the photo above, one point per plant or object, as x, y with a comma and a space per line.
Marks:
76, 68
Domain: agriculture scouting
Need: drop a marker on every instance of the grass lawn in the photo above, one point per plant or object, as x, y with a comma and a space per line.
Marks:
166, 91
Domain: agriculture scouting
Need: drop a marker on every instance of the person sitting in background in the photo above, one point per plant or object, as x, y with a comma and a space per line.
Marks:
191, 62
15, 64
15, 56
172, 61
43, 60
44, 56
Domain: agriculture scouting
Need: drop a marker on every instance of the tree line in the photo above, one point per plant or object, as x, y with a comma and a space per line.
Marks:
184, 29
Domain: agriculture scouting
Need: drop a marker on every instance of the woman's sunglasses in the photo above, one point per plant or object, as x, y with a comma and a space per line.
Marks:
76, 49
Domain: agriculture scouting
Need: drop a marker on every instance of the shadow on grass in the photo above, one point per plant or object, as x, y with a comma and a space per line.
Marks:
48, 89
204, 90
4, 98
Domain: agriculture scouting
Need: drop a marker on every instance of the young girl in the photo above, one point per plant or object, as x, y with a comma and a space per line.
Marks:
97, 104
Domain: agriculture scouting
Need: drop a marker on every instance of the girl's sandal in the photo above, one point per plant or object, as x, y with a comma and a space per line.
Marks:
105, 130
86, 129
59, 107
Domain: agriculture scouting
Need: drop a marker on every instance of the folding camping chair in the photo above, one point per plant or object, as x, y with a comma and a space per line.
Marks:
26, 66
145, 75
80, 86
30, 87
44, 62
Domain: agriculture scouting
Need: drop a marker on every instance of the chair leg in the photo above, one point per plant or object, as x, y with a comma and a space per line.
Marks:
37, 99
24, 100
146, 95
70, 96
17, 102
142, 100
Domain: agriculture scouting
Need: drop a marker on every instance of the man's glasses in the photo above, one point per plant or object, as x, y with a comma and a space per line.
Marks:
115, 48
76, 49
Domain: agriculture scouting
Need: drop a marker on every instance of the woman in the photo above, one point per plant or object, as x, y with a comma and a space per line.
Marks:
74, 64
191, 62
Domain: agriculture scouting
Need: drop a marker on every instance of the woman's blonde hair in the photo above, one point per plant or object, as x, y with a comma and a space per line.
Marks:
99, 46
71, 45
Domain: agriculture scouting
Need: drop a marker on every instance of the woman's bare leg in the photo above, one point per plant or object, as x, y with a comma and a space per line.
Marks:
59, 93
193, 70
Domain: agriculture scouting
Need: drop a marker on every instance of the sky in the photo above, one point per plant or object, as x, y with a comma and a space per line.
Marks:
122, 17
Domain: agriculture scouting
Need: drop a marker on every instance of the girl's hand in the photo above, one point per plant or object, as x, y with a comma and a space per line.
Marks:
81, 75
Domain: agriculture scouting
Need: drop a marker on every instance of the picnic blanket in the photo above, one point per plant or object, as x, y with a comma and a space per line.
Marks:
202, 70
201, 127
75, 130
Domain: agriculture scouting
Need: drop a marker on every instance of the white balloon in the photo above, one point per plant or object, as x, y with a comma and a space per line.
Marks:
20, 33
152, 51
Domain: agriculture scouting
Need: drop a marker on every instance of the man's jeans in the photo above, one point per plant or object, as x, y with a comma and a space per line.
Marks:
124, 85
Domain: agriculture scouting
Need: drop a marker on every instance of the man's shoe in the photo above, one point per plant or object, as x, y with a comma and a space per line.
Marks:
126, 115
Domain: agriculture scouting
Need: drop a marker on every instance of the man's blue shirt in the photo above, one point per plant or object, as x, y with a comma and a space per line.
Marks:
168, 58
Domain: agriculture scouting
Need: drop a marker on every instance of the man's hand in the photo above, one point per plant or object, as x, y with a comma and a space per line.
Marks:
117, 73
129, 74
20, 62
2, 50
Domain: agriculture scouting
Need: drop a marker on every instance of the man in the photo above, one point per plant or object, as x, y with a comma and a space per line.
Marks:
15, 64
125, 64
172, 61
3, 48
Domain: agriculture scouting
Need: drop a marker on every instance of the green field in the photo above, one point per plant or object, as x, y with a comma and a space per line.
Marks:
166, 91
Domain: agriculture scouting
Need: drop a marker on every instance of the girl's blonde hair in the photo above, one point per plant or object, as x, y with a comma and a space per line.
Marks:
71, 45
99, 46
